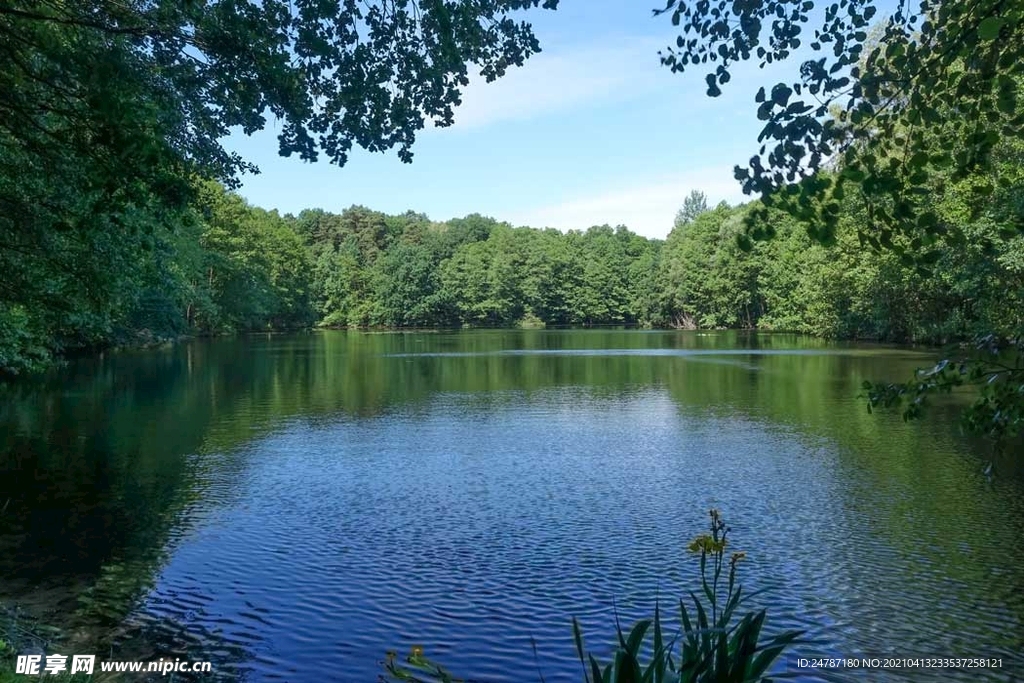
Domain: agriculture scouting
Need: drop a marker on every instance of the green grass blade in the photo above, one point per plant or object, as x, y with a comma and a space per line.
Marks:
596, 669
658, 665
578, 637
636, 637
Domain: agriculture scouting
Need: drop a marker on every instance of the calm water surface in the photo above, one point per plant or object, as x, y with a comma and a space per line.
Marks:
291, 507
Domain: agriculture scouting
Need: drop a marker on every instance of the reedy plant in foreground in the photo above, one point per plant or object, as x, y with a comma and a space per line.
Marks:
712, 645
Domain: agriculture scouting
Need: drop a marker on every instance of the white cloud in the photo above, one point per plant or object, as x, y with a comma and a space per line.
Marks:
647, 208
556, 81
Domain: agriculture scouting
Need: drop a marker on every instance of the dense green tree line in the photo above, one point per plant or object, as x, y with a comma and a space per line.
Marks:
228, 266
843, 290
395, 271
222, 266
406, 271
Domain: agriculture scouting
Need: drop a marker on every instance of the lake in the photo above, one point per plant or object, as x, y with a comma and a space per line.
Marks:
293, 506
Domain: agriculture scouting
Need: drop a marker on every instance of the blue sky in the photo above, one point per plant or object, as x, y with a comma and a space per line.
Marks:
592, 130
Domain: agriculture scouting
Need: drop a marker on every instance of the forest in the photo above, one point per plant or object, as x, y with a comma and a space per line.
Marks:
228, 266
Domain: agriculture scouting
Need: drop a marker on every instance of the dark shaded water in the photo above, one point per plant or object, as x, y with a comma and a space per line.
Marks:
292, 507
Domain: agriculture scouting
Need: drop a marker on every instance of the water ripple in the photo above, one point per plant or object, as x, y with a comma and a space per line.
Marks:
472, 531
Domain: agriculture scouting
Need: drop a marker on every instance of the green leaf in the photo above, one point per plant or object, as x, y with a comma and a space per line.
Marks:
636, 636
853, 173
781, 94
659, 648
713, 89
919, 159
595, 669
989, 28
577, 635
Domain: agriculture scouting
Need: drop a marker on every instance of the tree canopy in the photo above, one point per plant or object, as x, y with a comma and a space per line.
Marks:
333, 73
112, 115
930, 91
